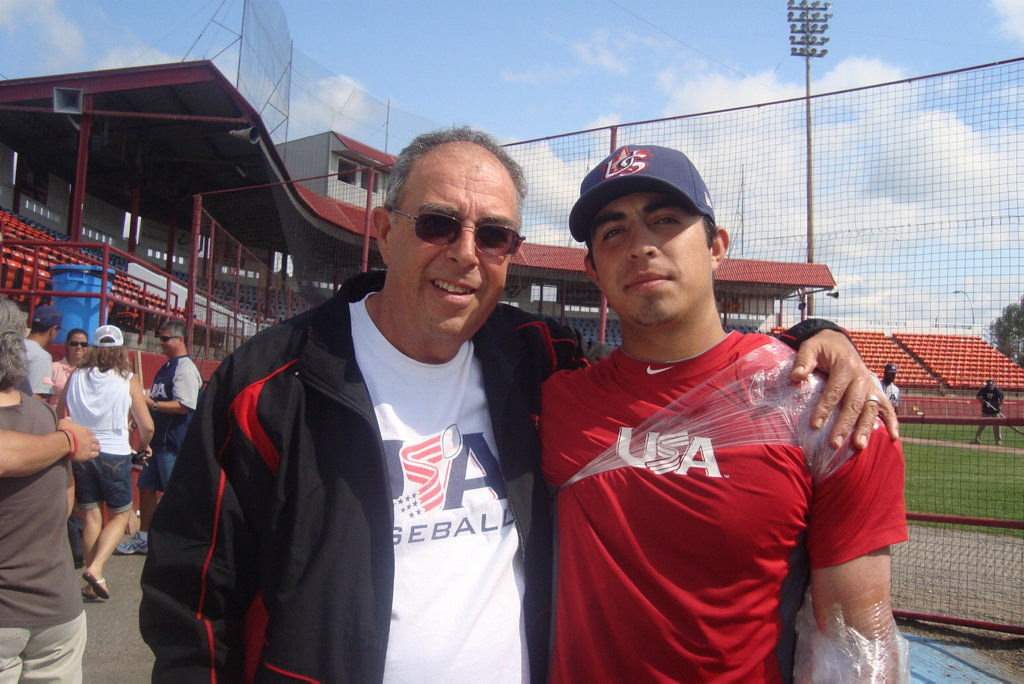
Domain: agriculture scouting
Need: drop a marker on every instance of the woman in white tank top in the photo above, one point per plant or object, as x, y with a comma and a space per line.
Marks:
100, 394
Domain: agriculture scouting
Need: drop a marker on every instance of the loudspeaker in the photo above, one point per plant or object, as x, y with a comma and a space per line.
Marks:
250, 135
67, 100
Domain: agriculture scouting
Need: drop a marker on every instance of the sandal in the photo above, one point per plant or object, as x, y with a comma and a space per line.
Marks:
98, 585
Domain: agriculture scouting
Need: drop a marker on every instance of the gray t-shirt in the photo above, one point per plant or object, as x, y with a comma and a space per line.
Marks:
37, 577
40, 366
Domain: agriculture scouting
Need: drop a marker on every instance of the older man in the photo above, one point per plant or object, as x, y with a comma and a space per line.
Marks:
359, 497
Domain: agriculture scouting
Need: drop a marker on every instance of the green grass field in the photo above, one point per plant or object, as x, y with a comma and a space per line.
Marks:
964, 480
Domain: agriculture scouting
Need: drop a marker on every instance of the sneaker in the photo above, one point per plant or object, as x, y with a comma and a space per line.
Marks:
132, 545
975, 441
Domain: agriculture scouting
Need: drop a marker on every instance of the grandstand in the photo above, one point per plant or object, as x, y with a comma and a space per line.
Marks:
962, 361
877, 349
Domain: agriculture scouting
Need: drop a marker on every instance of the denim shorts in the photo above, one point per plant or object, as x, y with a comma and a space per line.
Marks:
157, 471
108, 477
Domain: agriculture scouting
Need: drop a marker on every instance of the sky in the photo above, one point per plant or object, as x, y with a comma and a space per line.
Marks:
531, 70
520, 70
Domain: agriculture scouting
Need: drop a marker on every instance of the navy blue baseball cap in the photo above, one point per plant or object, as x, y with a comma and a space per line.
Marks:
49, 316
638, 168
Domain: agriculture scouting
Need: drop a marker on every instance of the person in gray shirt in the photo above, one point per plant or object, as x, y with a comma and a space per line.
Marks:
46, 322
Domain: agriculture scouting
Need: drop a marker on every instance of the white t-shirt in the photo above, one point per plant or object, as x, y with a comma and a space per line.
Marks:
892, 393
458, 593
101, 401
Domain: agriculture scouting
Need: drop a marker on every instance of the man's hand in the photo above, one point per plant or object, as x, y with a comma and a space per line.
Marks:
848, 379
88, 446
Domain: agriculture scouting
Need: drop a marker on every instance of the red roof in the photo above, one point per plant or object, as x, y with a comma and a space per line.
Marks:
375, 155
550, 256
532, 255
793, 274
347, 216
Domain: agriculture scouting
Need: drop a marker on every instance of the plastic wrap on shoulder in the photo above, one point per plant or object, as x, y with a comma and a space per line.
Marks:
751, 402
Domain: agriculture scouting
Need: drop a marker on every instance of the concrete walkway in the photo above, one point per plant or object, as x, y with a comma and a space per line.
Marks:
116, 652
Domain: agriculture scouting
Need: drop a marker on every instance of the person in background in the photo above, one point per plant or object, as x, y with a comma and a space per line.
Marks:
991, 398
42, 622
46, 322
892, 391
17, 447
75, 344
100, 394
172, 400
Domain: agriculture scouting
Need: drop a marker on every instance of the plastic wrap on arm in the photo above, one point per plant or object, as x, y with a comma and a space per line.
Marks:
836, 652
751, 402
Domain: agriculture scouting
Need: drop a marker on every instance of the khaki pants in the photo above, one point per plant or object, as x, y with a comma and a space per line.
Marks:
43, 654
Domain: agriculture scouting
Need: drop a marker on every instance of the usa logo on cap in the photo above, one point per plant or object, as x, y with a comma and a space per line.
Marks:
626, 163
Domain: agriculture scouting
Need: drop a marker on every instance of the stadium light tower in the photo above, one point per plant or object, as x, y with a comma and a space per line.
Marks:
808, 22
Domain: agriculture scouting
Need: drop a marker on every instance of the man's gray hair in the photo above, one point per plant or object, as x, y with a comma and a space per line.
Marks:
175, 327
11, 317
13, 361
422, 144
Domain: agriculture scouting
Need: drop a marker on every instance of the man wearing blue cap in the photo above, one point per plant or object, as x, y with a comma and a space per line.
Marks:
46, 322
695, 503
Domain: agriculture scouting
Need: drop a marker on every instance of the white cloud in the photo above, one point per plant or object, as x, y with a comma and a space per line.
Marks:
612, 51
604, 120
336, 103
56, 35
1011, 18
696, 88
599, 52
856, 72
691, 89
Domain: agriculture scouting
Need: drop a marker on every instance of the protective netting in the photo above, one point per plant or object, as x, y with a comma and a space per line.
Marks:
265, 64
917, 206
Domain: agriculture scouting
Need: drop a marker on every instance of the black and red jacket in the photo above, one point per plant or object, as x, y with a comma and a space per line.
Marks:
270, 555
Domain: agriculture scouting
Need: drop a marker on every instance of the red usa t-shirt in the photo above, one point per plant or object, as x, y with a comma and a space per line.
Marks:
692, 567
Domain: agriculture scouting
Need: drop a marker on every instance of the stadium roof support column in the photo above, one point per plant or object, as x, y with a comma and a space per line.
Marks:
172, 229
135, 220
193, 266
364, 263
77, 204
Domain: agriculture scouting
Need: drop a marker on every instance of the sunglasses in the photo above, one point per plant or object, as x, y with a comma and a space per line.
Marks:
166, 338
491, 238
76, 344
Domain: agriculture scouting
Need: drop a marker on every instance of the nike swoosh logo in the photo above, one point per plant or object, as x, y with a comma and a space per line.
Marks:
652, 371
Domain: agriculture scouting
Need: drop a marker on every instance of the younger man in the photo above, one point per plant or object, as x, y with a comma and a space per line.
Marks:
693, 496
